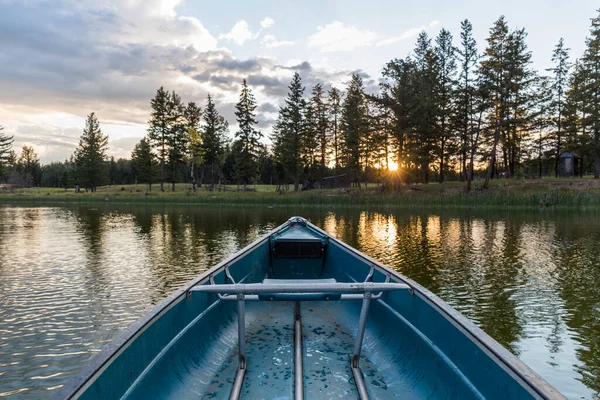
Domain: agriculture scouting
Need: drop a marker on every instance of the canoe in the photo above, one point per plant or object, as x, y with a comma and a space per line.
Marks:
299, 314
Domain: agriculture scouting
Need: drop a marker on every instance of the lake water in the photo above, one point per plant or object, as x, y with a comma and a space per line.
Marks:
72, 278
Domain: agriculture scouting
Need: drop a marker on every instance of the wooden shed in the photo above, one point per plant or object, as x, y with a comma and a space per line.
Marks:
570, 165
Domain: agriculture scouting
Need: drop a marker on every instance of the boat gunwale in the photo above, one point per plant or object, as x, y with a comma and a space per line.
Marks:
89, 372
488, 344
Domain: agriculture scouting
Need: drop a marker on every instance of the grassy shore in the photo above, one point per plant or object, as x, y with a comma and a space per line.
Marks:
503, 194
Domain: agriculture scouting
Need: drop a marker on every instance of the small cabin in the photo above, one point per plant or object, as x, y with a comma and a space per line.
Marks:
570, 165
334, 182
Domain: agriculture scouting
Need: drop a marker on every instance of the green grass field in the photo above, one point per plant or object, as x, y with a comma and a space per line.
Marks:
553, 193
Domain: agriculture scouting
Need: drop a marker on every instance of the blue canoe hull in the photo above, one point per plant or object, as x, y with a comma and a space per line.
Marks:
415, 345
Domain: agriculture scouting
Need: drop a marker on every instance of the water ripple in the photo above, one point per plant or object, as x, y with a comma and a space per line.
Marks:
71, 279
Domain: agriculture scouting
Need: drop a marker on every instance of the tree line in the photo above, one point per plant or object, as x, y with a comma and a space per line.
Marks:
450, 110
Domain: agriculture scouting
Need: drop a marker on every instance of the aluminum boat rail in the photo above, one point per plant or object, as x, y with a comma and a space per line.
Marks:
298, 290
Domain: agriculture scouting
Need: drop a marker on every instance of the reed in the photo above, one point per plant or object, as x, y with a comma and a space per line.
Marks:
502, 195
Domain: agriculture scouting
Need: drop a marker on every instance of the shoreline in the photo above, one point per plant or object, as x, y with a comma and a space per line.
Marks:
580, 194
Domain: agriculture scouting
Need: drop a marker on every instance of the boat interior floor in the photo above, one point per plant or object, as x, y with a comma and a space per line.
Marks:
395, 361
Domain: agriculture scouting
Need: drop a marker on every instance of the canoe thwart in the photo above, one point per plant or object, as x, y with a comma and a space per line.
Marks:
299, 296
293, 287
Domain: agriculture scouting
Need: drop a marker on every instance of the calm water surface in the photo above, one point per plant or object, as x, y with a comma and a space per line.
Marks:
72, 278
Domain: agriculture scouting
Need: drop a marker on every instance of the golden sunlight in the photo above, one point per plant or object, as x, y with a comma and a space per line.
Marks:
392, 165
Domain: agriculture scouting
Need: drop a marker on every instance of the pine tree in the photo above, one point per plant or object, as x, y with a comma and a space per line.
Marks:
319, 125
5, 151
144, 163
590, 91
521, 103
559, 85
113, 171
445, 56
246, 163
90, 155
289, 131
377, 144
424, 106
465, 99
158, 132
214, 138
544, 116
66, 179
193, 116
334, 104
177, 135
353, 126
574, 130
493, 73
398, 94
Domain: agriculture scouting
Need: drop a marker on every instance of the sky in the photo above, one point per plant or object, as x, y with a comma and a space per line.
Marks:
62, 59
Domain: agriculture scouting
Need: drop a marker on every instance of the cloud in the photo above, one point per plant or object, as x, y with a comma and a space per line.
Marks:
408, 34
267, 22
51, 142
123, 146
338, 37
303, 66
240, 33
272, 42
267, 107
110, 59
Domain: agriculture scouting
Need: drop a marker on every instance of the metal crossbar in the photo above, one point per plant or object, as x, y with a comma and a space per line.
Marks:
255, 288
351, 291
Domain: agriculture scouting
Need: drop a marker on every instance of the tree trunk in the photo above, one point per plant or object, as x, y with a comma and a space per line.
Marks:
296, 180
472, 156
442, 161
162, 168
492, 159
558, 133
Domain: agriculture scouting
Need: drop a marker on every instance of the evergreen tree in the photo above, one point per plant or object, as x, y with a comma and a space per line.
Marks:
353, 126
590, 91
559, 85
424, 106
465, 99
158, 132
5, 149
177, 135
67, 177
266, 166
334, 105
522, 99
144, 163
246, 163
445, 55
90, 155
319, 125
398, 94
377, 148
214, 135
193, 116
544, 118
113, 171
574, 131
288, 140
195, 155
493, 71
